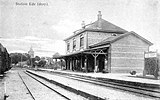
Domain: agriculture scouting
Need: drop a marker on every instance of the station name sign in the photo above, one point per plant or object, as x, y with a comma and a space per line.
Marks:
150, 54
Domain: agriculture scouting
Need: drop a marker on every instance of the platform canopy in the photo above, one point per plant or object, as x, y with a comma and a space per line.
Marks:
92, 51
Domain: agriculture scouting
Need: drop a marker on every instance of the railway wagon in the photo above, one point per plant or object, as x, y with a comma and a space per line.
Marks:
5, 59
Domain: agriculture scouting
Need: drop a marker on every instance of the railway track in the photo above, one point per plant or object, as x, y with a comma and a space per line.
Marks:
141, 91
38, 96
26, 87
77, 93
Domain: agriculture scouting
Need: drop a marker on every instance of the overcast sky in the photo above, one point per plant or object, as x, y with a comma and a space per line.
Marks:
45, 27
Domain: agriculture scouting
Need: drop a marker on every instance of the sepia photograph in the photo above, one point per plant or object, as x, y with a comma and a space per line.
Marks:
79, 50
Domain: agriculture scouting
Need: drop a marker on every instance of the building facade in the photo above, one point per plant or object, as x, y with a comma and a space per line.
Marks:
104, 47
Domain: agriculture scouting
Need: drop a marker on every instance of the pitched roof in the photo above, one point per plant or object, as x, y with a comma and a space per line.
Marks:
115, 38
100, 25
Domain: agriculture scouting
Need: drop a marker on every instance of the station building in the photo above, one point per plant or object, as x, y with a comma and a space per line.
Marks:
104, 47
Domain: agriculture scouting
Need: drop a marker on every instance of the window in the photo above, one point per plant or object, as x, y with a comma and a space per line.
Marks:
74, 44
81, 41
68, 46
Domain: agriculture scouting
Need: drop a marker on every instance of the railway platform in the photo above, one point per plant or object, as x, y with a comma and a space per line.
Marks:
137, 80
18, 85
16, 90
13, 87
93, 88
1, 88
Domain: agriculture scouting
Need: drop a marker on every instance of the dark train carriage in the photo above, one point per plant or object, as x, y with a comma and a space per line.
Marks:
1, 57
4, 59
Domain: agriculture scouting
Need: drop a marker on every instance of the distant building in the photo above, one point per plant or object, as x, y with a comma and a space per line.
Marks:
103, 46
31, 53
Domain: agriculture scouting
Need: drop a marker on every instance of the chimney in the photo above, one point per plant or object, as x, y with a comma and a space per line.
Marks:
99, 15
83, 24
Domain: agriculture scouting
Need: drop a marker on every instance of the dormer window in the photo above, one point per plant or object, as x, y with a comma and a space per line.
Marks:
74, 44
81, 41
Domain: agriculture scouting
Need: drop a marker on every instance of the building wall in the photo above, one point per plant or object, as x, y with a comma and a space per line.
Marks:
127, 54
71, 46
77, 38
95, 37
85, 40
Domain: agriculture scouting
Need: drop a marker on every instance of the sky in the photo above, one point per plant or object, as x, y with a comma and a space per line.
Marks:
26, 23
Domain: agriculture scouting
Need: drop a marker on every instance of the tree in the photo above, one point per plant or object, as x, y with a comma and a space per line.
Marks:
37, 58
41, 63
18, 57
56, 54
15, 58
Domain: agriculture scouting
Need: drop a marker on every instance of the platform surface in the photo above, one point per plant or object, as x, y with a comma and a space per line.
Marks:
96, 90
15, 89
149, 79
